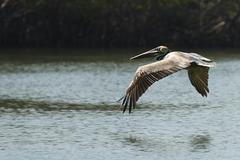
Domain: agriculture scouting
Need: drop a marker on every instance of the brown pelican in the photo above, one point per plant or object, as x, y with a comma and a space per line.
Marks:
168, 62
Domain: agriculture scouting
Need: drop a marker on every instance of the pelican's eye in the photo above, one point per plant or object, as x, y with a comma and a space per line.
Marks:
164, 49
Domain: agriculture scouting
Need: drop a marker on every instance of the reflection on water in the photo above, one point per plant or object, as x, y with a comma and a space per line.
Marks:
64, 107
200, 142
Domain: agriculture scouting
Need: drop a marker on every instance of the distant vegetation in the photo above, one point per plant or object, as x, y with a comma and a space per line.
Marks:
119, 23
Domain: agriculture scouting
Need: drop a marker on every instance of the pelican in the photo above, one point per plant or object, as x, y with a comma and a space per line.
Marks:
168, 62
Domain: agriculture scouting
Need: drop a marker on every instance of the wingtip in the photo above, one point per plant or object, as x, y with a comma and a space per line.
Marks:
125, 108
120, 99
204, 94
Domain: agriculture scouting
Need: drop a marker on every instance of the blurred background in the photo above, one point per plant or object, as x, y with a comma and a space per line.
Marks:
65, 63
121, 23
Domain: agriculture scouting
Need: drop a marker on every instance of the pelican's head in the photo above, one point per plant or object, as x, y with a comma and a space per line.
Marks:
155, 52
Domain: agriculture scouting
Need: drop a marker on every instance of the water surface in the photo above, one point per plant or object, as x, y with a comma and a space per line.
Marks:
62, 105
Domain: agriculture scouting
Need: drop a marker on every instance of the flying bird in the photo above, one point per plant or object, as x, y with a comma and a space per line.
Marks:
168, 62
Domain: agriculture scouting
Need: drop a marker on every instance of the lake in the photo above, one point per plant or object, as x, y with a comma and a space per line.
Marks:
62, 104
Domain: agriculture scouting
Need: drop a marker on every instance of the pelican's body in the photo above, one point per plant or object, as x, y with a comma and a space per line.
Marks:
167, 63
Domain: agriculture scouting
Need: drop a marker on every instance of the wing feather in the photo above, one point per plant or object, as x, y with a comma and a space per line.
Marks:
148, 74
198, 76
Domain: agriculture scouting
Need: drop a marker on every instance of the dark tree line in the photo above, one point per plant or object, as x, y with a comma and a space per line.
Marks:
119, 23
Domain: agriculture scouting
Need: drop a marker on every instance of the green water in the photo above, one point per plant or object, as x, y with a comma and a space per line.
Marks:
61, 104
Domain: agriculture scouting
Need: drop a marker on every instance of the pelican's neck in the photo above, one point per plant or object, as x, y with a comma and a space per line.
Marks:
160, 57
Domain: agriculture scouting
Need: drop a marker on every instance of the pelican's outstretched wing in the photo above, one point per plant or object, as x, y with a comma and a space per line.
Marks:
198, 76
146, 75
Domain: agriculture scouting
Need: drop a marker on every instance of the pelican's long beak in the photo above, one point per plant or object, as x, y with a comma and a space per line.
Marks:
149, 53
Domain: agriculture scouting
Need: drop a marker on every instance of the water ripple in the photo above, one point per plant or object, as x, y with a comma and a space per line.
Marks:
16, 104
